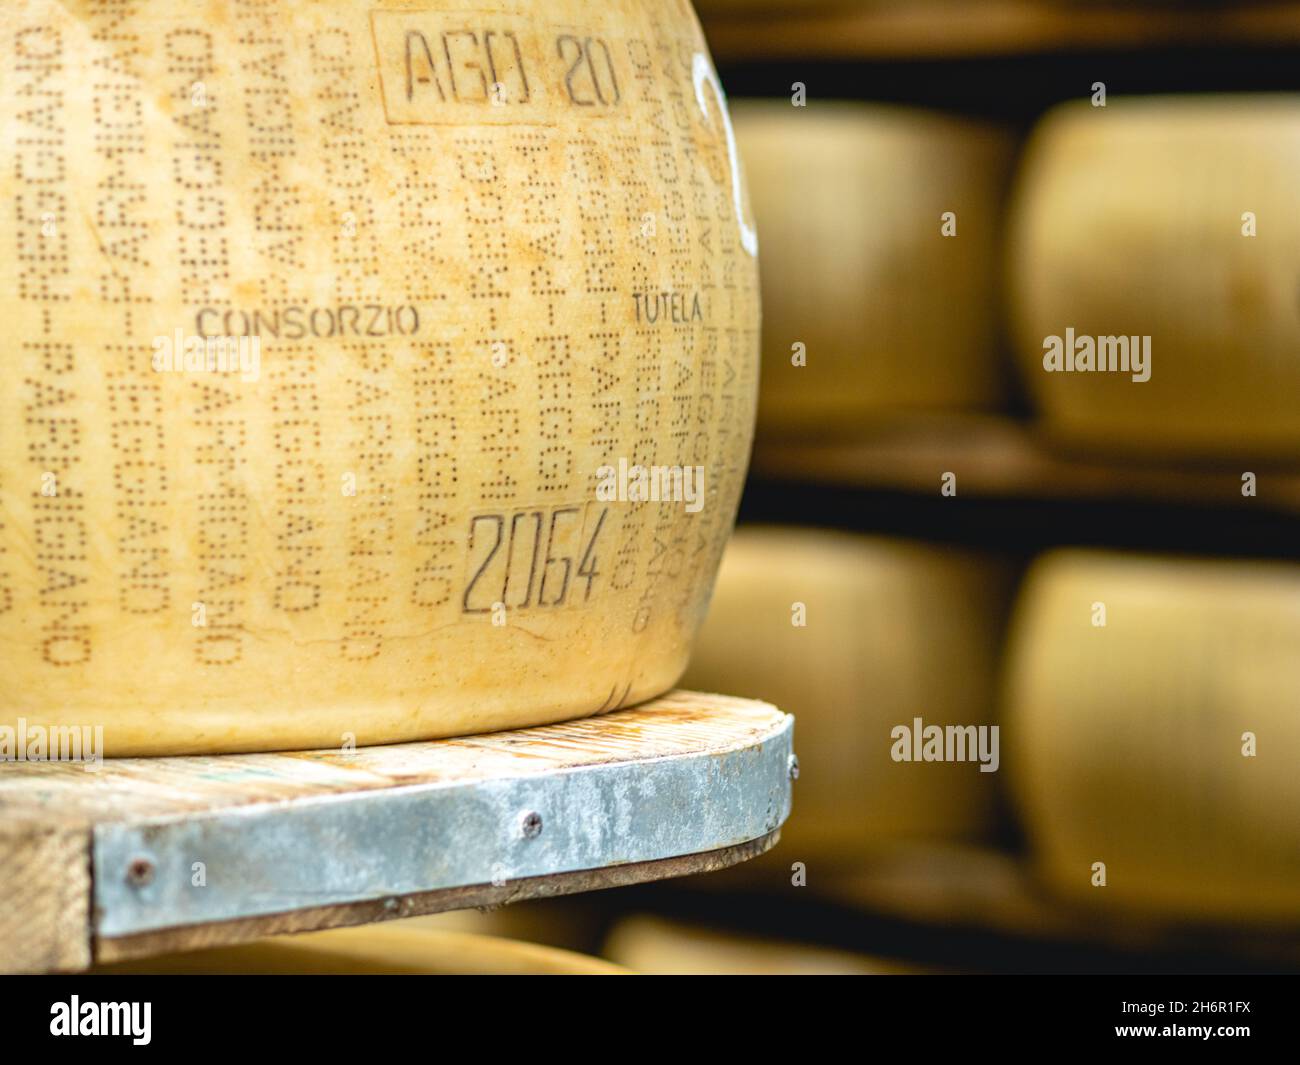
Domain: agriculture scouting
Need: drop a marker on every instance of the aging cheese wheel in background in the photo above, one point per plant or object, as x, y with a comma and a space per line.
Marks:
1125, 740
375, 950
464, 259
894, 631
658, 947
850, 201
573, 923
1132, 221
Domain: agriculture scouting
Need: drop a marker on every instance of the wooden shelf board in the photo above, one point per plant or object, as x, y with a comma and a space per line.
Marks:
98, 864
933, 29
987, 889
1003, 458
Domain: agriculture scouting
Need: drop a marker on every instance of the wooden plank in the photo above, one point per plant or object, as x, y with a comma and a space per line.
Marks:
314, 839
998, 457
126, 789
932, 29
44, 893
985, 889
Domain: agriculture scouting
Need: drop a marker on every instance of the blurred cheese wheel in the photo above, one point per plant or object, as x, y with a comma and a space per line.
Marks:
850, 202
894, 631
324, 321
374, 950
1125, 741
569, 922
1130, 222
654, 946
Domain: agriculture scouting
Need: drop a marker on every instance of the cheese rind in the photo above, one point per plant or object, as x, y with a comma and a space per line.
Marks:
1126, 741
892, 314
1174, 220
483, 256
894, 631
375, 950
654, 946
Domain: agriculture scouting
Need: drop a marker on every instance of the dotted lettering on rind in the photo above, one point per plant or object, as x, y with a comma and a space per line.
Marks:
466, 308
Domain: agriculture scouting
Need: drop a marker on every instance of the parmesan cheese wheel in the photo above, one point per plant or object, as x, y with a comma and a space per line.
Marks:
1127, 742
375, 950
1133, 221
657, 947
568, 922
851, 200
894, 631
338, 336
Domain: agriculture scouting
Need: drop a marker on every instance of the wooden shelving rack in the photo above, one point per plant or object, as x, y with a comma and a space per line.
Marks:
855, 49
144, 856
998, 457
938, 29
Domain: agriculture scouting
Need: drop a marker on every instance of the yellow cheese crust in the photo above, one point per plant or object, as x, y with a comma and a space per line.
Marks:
483, 253
654, 946
1126, 742
892, 631
852, 203
1175, 220
375, 950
